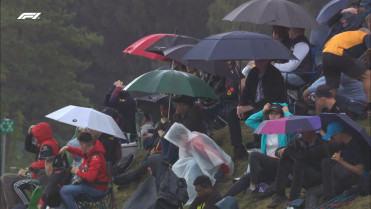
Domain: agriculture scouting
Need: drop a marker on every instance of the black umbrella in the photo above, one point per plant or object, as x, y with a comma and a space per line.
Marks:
238, 45
327, 118
169, 41
218, 68
273, 12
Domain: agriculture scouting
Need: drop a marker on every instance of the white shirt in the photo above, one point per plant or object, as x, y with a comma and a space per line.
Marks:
271, 144
300, 50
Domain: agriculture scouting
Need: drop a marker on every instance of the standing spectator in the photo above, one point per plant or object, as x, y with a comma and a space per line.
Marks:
206, 195
264, 84
94, 173
121, 100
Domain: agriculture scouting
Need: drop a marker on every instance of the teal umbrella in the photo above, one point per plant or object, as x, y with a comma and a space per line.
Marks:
171, 82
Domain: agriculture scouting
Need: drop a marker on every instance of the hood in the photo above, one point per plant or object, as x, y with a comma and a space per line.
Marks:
42, 132
98, 147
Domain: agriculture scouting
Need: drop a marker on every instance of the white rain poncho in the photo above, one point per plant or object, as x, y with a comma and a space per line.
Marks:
198, 155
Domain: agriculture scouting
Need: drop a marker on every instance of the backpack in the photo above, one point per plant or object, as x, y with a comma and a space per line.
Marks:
173, 190
61, 176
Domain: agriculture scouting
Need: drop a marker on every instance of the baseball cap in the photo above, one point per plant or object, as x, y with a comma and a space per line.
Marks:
276, 108
323, 91
332, 129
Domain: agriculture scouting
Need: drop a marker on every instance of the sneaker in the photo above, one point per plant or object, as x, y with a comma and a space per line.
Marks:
239, 153
278, 200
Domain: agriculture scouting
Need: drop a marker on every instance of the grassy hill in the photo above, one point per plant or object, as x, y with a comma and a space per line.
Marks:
222, 138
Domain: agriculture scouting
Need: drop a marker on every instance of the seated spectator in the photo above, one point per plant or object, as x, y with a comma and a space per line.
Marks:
12, 186
125, 104
350, 93
163, 189
146, 126
281, 34
93, 173
206, 195
301, 48
340, 55
263, 165
188, 114
326, 102
263, 85
198, 155
302, 159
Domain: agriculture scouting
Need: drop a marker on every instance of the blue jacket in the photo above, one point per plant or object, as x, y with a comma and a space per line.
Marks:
254, 121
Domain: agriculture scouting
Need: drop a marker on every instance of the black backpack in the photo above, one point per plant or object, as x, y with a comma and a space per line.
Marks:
61, 176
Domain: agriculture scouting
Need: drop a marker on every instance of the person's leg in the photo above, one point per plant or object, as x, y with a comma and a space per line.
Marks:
241, 185
285, 167
239, 151
365, 78
262, 168
297, 180
68, 192
327, 165
343, 179
9, 194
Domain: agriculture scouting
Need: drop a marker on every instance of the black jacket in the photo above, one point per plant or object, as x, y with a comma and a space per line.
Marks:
213, 198
273, 87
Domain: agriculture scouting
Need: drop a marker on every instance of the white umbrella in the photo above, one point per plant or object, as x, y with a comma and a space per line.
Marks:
87, 118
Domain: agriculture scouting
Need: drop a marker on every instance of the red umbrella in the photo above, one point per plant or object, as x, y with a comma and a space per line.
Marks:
138, 47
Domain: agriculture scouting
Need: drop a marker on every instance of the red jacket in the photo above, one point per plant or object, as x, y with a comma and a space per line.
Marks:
48, 145
93, 166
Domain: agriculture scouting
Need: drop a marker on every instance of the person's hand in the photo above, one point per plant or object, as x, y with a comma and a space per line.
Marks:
147, 134
74, 169
306, 95
161, 133
266, 108
63, 150
22, 172
285, 109
165, 120
281, 151
242, 109
30, 129
349, 10
119, 84
337, 157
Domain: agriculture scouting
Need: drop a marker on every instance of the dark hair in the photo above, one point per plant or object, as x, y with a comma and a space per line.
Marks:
147, 116
85, 137
282, 32
202, 181
49, 160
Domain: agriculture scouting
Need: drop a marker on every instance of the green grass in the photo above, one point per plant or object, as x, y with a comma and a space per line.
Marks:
221, 137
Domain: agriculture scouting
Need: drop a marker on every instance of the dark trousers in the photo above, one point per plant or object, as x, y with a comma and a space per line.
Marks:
299, 171
235, 127
262, 167
336, 178
169, 150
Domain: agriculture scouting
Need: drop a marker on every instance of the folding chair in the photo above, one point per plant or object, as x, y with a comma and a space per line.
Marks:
105, 201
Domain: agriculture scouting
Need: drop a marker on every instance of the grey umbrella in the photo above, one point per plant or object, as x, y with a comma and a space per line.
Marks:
273, 12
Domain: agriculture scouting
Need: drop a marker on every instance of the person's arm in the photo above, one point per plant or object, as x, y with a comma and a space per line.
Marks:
300, 50
357, 169
94, 166
29, 146
45, 152
108, 95
254, 120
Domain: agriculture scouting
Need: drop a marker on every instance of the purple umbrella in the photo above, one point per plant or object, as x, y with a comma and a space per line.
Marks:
291, 124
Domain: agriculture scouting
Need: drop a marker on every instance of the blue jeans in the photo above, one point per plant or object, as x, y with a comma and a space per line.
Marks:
68, 192
293, 79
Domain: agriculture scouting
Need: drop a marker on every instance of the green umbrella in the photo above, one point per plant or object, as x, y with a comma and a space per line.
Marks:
171, 82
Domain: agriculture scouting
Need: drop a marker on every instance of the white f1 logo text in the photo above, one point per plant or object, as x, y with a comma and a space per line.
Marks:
27, 15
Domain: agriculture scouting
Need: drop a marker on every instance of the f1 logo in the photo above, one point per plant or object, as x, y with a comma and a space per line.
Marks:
29, 15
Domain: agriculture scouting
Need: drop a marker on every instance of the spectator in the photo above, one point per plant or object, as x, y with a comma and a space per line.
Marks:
94, 173
198, 155
262, 165
301, 48
206, 195
122, 101
146, 126
281, 34
264, 84
340, 56
12, 186
301, 158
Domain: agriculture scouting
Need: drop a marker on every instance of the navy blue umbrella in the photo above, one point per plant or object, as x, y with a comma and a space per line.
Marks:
327, 118
238, 45
318, 37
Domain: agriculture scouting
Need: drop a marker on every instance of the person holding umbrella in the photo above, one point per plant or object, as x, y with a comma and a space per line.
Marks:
264, 84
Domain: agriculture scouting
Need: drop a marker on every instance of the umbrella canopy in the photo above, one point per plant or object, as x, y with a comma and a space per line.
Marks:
273, 12
217, 67
291, 124
327, 118
318, 37
169, 41
87, 118
138, 47
171, 82
238, 45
